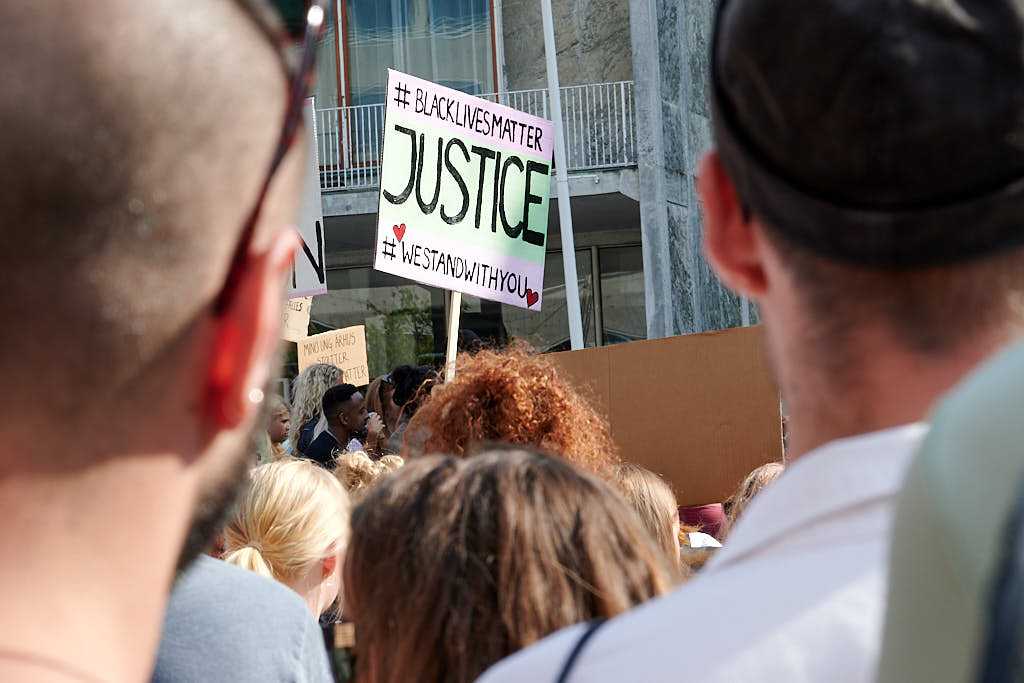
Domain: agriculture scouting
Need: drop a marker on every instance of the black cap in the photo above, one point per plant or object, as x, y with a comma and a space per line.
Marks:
886, 133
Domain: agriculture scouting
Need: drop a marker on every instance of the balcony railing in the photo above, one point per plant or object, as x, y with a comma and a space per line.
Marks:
599, 122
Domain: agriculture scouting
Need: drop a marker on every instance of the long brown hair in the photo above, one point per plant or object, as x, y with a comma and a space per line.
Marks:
654, 503
454, 564
374, 400
752, 485
515, 397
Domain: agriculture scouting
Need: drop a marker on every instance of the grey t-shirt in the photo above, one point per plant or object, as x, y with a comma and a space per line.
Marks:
227, 624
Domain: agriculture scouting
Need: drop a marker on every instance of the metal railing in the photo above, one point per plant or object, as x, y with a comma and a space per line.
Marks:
599, 121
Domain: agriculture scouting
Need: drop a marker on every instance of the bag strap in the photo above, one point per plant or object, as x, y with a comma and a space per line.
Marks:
577, 648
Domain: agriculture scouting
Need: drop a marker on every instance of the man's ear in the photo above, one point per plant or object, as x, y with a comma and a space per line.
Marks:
732, 242
246, 334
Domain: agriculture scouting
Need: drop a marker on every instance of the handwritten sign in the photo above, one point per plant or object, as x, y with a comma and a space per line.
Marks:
309, 272
463, 193
344, 348
296, 318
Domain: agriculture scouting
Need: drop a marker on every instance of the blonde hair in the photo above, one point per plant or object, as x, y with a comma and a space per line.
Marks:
276, 451
307, 393
390, 463
653, 501
275, 402
750, 487
293, 514
357, 472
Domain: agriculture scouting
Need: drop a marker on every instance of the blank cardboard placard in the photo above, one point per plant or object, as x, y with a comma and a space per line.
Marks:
344, 348
701, 410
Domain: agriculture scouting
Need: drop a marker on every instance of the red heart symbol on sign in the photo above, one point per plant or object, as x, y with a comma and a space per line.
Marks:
399, 231
531, 297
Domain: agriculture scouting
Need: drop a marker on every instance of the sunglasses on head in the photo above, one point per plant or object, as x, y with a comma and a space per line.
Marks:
300, 80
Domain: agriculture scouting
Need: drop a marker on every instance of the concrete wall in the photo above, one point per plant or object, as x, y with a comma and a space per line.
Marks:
662, 45
670, 42
591, 37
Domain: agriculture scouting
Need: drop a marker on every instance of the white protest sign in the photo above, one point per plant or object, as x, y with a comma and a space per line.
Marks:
463, 193
344, 348
296, 318
309, 273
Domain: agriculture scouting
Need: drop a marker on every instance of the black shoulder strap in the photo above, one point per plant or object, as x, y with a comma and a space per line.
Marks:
577, 648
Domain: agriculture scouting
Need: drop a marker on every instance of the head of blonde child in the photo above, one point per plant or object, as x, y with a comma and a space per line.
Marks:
292, 525
357, 472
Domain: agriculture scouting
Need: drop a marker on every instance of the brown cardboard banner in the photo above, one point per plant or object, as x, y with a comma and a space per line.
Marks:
344, 348
296, 319
701, 410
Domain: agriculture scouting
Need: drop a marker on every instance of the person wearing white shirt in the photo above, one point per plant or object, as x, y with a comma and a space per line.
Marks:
877, 226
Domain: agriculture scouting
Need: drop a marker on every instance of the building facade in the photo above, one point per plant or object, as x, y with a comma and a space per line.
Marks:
635, 113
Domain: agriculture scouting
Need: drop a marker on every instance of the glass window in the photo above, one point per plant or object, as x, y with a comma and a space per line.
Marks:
325, 89
622, 294
404, 321
325, 85
548, 330
407, 322
445, 41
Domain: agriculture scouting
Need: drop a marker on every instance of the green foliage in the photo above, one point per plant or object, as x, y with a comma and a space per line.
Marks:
398, 333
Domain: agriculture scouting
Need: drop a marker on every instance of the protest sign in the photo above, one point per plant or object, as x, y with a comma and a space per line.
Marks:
309, 272
463, 193
344, 348
296, 318
701, 410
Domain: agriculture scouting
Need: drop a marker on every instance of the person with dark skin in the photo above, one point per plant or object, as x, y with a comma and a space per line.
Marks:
347, 419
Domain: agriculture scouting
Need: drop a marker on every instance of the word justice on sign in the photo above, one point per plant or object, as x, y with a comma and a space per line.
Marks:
487, 174
464, 193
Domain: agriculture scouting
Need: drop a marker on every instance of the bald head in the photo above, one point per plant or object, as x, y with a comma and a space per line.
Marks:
133, 139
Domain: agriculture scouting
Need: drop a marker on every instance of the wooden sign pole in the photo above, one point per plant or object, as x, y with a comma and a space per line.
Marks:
454, 313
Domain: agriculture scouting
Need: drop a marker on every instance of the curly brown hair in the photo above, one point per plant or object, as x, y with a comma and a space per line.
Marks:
514, 396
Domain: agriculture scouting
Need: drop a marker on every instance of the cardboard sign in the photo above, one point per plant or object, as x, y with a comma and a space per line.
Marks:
296, 318
463, 193
309, 272
701, 410
344, 348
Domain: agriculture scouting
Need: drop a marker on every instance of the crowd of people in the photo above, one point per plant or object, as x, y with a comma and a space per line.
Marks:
165, 518
528, 524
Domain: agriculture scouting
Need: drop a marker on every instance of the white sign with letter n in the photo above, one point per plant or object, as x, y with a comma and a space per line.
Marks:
309, 273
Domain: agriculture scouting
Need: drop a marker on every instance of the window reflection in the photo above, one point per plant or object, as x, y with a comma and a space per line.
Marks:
444, 41
622, 294
548, 330
406, 322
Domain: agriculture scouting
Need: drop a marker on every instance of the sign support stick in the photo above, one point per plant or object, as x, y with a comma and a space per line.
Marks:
454, 313
572, 291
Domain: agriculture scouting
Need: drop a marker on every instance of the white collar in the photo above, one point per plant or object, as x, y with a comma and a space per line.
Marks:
837, 476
